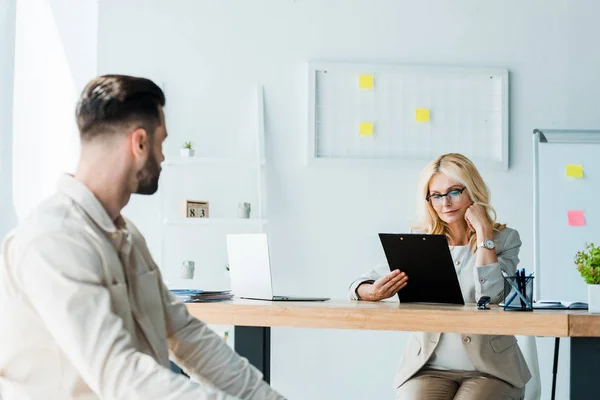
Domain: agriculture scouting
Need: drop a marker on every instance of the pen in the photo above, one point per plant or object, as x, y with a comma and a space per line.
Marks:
520, 286
524, 287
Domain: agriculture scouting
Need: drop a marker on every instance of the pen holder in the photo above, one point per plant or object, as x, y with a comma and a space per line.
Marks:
518, 293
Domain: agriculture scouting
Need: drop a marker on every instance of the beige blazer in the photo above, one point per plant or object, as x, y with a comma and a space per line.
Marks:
496, 355
85, 315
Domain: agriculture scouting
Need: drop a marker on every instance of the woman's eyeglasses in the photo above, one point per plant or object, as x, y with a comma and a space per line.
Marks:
438, 199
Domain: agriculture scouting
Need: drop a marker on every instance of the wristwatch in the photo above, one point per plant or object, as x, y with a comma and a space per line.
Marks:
488, 244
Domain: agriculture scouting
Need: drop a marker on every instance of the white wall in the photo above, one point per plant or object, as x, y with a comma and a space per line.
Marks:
7, 63
55, 55
324, 220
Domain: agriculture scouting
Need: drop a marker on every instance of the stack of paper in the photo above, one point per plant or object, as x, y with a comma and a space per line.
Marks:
199, 296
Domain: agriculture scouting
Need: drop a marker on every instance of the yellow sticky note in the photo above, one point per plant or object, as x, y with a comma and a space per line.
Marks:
366, 129
422, 114
575, 170
365, 82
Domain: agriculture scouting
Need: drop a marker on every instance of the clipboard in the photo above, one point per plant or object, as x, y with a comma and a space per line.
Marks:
427, 261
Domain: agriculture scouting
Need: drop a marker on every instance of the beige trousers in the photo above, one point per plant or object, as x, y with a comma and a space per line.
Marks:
432, 384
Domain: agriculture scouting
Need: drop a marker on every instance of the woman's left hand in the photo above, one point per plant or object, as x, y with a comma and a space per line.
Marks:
476, 218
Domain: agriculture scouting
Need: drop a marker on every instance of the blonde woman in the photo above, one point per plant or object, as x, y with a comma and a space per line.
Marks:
454, 201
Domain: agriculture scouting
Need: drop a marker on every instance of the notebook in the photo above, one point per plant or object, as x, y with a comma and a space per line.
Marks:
560, 305
557, 305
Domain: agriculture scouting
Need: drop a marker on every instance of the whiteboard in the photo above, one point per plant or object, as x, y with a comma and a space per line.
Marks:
467, 112
555, 242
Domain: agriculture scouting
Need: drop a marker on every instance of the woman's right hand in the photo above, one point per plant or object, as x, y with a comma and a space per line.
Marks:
384, 287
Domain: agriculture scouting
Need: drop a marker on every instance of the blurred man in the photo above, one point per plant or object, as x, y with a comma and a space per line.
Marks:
84, 311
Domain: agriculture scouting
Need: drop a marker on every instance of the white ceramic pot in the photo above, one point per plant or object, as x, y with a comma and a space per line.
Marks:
187, 152
244, 210
594, 299
187, 270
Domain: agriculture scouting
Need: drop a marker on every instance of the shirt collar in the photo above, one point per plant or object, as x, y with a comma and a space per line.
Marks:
83, 196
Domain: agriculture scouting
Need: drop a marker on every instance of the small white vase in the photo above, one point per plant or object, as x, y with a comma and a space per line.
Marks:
187, 270
186, 152
594, 299
244, 210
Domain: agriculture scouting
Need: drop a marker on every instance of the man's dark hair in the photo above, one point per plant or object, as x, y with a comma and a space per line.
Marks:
111, 102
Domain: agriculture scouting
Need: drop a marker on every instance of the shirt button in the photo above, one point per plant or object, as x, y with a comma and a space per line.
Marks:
466, 340
457, 262
482, 280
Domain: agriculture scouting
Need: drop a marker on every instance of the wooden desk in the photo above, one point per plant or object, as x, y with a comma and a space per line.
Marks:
253, 320
336, 314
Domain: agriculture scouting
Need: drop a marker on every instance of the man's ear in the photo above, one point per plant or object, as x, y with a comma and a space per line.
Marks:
139, 142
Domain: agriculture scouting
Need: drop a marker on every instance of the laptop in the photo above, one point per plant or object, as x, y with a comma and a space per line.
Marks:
250, 268
427, 261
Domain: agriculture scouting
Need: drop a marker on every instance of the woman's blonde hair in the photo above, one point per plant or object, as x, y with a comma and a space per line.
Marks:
459, 168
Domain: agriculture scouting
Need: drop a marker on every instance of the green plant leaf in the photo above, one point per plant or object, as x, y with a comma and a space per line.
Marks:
587, 262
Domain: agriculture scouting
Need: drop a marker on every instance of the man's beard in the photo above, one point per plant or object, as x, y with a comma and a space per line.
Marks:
148, 176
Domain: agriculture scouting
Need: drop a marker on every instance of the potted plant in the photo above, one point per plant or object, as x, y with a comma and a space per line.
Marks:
187, 150
588, 265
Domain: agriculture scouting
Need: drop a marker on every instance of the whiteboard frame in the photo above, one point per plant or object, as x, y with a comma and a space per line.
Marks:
543, 136
315, 66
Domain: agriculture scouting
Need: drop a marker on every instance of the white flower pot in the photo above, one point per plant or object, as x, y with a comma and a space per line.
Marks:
594, 299
187, 270
187, 152
244, 210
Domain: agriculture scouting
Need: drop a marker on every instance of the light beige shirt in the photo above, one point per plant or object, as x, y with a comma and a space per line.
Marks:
85, 315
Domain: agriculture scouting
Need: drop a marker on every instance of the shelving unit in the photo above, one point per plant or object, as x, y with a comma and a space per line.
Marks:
222, 161
216, 221
207, 235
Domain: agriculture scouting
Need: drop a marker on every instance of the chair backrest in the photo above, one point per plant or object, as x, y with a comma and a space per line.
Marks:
528, 346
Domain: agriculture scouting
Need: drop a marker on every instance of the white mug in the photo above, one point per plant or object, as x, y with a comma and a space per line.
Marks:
244, 210
187, 270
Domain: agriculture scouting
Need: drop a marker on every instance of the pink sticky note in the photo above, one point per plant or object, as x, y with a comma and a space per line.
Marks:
576, 218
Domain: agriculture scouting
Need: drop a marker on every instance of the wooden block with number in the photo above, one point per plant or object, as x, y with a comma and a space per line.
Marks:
194, 209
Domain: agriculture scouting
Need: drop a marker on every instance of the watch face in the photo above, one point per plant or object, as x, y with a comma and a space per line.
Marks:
489, 244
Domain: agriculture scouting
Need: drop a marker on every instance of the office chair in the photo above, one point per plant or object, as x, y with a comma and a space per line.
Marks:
528, 346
